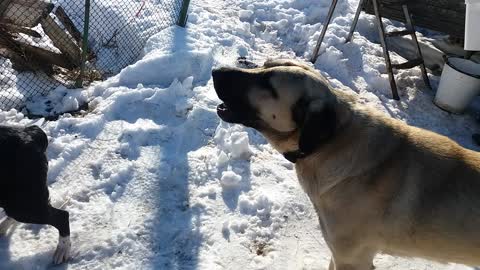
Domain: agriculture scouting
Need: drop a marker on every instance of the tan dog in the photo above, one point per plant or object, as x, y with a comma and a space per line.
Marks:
377, 184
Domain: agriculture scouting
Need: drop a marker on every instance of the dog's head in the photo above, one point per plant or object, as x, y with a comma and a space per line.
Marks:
288, 102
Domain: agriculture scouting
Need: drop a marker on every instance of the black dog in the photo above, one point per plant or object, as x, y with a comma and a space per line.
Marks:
23, 184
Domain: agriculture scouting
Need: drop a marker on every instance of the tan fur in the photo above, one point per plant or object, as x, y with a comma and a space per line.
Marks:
379, 185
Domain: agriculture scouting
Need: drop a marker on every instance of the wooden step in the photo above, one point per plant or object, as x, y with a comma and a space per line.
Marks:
399, 33
396, 2
409, 64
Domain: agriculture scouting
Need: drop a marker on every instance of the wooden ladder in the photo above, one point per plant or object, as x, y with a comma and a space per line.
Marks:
410, 30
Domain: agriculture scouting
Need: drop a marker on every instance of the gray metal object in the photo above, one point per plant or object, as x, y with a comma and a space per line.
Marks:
324, 31
86, 25
411, 28
182, 20
355, 21
386, 55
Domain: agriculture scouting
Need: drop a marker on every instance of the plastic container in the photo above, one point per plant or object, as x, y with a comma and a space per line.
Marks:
459, 84
472, 23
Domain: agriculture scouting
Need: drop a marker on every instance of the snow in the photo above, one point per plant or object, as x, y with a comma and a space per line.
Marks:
58, 101
230, 180
156, 181
234, 142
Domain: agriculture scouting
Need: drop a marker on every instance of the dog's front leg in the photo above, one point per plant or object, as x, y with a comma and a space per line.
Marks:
52, 216
350, 266
60, 220
359, 260
348, 251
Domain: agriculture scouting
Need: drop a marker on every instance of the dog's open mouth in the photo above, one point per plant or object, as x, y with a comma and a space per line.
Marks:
225, 113
229, 115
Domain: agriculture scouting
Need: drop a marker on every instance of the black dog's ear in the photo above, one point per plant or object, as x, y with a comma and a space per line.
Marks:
318, 125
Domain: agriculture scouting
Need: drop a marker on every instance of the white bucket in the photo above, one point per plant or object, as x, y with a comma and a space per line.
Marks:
459, 84
472, 22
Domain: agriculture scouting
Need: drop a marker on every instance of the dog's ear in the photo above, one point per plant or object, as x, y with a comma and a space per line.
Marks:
317, 121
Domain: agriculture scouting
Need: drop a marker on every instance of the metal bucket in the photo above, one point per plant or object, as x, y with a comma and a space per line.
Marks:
459, 84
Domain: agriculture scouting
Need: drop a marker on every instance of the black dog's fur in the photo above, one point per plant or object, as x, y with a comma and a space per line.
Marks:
23, 178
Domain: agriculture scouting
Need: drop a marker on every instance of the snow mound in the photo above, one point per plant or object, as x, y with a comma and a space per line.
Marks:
173, 53
233, 143
57, 101
230, 180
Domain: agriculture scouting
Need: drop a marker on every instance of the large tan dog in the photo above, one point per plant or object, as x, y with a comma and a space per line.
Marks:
377, 184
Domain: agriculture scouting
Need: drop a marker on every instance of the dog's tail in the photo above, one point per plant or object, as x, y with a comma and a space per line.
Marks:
39, 137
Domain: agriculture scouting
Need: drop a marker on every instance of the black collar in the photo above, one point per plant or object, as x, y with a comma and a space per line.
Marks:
294, 156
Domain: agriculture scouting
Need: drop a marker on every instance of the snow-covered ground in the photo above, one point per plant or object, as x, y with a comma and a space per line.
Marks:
156, 181
118, 30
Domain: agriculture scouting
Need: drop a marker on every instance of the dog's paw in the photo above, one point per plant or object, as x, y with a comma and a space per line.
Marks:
62, 253
5, 225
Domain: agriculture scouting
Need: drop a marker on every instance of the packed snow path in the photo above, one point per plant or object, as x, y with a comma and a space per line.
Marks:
156, 181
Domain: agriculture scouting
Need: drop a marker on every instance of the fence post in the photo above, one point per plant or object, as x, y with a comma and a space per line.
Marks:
79, 82
182, 19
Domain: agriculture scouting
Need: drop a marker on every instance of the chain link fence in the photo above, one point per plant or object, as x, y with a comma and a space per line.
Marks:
41, 41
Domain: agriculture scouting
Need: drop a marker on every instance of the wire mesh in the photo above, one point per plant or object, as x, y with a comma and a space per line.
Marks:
41, 41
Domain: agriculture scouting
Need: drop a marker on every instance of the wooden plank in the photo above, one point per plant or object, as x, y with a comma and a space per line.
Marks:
3, 6
458, 6
34, 54
21, 63
72, 30
69, 25
26, 13
61, 40
17, 29
434, 17
18, 63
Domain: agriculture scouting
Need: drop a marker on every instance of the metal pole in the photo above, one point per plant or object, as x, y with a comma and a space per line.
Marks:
324, 31
411, 28
386, 55
182, 19
355, 21
79, 83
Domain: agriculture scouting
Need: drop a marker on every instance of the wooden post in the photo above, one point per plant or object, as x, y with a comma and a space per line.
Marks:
182, 19
79, 82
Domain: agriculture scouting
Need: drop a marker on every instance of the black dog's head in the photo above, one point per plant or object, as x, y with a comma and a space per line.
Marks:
288, 102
